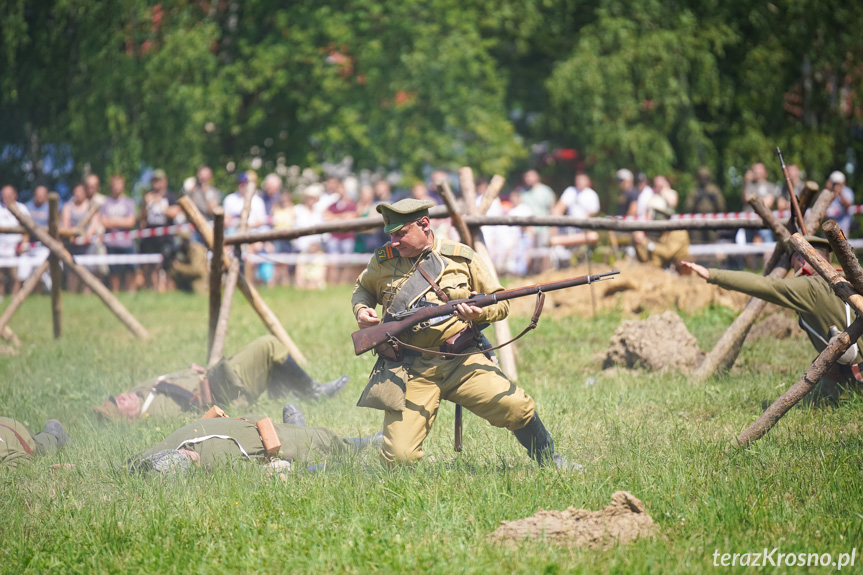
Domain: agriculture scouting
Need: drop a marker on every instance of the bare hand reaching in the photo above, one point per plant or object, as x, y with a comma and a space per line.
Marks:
687, 268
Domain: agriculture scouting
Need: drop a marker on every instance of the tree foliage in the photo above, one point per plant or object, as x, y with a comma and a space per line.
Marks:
652, 85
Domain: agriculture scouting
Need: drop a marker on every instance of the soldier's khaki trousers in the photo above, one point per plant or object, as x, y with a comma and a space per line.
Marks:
475, 383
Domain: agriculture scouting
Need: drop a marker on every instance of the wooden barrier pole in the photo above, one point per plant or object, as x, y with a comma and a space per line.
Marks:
26, 289
9, 335
216, 275
221, 333
449, 199
87, 278
267, 316
844, 253
491, 192
56, 271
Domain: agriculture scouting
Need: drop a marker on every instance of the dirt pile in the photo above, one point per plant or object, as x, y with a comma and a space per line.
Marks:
623, 521
657, 343
637, 288
775, 326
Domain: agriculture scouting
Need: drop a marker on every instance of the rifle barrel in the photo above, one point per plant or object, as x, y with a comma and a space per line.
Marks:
368, 338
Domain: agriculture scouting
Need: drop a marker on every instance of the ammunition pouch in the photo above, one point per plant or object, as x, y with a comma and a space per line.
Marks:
390, 350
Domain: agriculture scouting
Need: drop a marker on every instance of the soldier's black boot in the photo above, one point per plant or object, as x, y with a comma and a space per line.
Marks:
289, 376
536, 439
291, 414
360, 443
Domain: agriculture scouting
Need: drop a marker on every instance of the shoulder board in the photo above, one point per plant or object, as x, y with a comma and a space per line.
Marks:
457, 250
385, 253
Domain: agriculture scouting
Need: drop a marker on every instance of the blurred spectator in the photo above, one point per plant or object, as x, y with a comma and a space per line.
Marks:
91, 185
38, 206
71, 215
662, 186
645, 192
768, 192
705, 198
117, 214
306, 215
11, 245
233, 204
283, 219
665, 249
627, 201
839, 208
537, 196
370, 240
342, 208
271, 193
784, 200
578, 201
204, 195
420, 191
516, 241
436, 177
383, 192
159, 208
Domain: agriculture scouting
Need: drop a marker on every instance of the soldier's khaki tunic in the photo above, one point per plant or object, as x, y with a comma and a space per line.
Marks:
12, 452
669, 249
222, 440
237, 381
474, 382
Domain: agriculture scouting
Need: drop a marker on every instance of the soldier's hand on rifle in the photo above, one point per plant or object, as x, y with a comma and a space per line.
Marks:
367, 317
467, 312
687, 268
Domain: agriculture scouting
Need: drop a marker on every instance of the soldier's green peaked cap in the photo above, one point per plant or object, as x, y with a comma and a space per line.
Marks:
818, 243
403, 212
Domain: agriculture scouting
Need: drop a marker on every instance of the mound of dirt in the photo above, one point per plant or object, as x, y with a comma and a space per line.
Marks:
623, 521
657, 343
776, 326
638, 287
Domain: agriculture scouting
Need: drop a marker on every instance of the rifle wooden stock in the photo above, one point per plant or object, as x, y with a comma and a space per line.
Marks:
370, 337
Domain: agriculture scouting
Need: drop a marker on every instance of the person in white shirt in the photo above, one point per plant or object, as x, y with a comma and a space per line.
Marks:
233, 205
645, 192
12, 245
579, 201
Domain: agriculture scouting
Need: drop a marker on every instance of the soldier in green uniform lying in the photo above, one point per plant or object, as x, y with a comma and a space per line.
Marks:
262, 366
818, 308
18, 445
208, 443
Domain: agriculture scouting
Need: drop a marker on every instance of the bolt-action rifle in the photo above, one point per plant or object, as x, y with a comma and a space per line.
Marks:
370, 337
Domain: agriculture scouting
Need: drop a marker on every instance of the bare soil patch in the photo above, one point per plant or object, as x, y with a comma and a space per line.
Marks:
657, 343
623, 521
637, 288
775, 326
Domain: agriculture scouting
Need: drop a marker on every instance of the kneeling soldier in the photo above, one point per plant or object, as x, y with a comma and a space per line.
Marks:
418, 268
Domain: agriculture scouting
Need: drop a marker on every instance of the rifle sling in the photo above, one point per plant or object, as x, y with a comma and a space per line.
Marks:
540, 302
21, 440
437, 289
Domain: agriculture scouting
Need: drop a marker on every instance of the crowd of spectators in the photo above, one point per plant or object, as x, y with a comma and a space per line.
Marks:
316, 260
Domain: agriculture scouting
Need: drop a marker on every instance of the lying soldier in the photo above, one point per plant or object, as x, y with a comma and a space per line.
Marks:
217, 440
820, 312
18, 445
263, 365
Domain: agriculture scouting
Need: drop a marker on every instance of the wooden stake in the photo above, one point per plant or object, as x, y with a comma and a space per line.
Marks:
56, 271
9, 335
825, 360
216, 275
457, 221
846, 256
837, 281
26, 289
216, 350
87, 278
491, 192
267, 316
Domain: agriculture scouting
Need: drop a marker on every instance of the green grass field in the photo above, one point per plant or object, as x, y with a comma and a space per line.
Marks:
657, 436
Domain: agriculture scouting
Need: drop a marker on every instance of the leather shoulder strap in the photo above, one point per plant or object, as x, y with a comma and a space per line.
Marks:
21, 440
